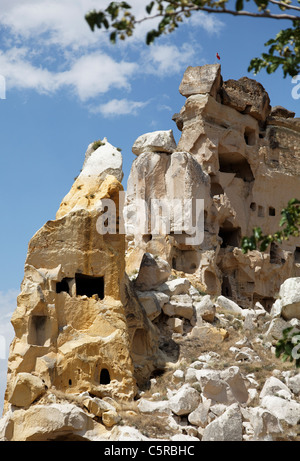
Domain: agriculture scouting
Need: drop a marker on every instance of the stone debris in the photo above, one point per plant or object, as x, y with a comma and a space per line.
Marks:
149, 335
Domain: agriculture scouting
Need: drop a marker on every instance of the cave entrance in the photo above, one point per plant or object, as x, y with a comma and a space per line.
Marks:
226, 287
236, 163
89, 286
104, 376
297, 255
231, 236
63, 286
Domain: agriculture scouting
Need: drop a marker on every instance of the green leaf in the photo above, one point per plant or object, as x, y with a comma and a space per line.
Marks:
149, 7
239, 5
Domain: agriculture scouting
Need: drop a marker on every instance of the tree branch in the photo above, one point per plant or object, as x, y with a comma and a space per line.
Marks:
285, 5
263, 14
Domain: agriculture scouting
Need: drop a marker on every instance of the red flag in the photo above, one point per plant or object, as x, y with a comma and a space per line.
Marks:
218, 56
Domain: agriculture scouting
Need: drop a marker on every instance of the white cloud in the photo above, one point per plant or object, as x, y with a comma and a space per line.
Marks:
48, 46
88, 76
207, 21
8, 303
97, 73
168, 59
60, 22
117, 107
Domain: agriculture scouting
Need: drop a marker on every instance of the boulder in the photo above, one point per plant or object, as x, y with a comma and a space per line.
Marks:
26, 389
179, 305
201, 80
208, 335
273, 386
227, 427
212, 386
185, 400
176, 286
290, 298
229, 305
264, 423
293, 383
152, 302
157, 141
153, 272
247, 96
199, 417
284, 410
279, 111
234, 378
110, 418
176, 324
275, 329
53, 421
152, 406
205, 309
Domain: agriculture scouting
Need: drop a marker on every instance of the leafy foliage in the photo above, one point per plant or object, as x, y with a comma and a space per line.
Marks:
289, 346
284, 50
290, 222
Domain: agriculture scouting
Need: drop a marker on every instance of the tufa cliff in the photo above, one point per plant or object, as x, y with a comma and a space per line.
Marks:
122, 317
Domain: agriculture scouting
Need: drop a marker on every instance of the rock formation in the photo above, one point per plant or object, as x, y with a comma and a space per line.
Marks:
165, 322
242, 157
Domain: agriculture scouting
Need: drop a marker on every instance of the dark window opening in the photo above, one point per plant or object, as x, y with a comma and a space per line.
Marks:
250, 137
230, 236
272, 211
253, 206
226, 287
89, 286
236, 163
174, 263
266, 302
104, 376
63, 285
297, 255
70, 382
261, 212
216, 189
38, 330
147, 238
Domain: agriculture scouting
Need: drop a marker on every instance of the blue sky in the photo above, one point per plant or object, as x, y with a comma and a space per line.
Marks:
67, 87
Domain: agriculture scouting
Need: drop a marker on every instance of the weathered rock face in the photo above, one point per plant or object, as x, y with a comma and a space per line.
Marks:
95, 319
247, 155
72, 327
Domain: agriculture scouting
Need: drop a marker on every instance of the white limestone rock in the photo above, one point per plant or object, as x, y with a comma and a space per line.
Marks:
153, 272
272, 386
156, 141
228, 305
264, 423
284, 410
201, 80
175, 287
185, 400
105, 160
293, 384
290, 298
179, 305
199, 417
205, 310
227, 427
